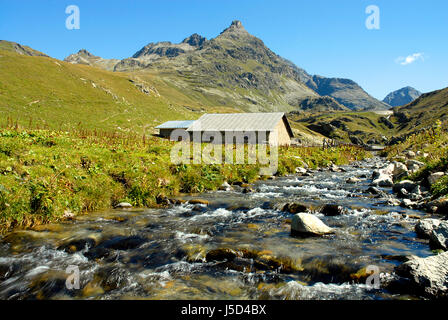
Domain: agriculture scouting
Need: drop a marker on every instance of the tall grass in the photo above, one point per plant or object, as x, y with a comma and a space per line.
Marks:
44, 173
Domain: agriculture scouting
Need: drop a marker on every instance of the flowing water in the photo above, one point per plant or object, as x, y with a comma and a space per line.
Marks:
161, 253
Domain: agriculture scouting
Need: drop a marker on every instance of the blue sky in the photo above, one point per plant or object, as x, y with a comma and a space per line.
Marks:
323, 37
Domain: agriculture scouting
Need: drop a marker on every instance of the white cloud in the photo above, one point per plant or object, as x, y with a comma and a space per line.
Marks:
410, 58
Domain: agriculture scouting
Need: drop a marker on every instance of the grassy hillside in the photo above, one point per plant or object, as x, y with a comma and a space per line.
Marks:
367, 126
48, 92
431, 148
423, 111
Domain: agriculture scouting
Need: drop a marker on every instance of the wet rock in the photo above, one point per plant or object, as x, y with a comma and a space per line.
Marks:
425, 276
330, 210
177, 201
439, 236
424, 227
335, 168
374, 191
163, 200
434, 177
439, 205
300, 170
221, 254
248, 190
305, 224
400, 170
241, 265
123, 205
225, 186
197, 208
99, 253
68, 215
112, 278
414, 165
408, 203
198, 201
402, 193
382, 179
376, 174
410, 154
393, 202
77, 245
352, 180
408, 185
329, 270
123, 243
49, 285
294, 207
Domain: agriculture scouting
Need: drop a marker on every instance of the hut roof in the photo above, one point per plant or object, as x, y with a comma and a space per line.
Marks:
183, 124
266, 121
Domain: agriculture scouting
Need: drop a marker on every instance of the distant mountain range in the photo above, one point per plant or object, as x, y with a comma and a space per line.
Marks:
402, 96
236, 69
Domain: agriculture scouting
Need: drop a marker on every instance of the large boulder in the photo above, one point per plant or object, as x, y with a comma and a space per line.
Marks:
414, 165
225, 186
300, 170
384, 180
294, 207
408, 185
400, 170
424, 227
305, 224
332, 210
439, 205
123, 205
425, 276
439, 236
352, 180
410, 154
434, 177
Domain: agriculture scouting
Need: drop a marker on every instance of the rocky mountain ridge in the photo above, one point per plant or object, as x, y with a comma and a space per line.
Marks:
237, 60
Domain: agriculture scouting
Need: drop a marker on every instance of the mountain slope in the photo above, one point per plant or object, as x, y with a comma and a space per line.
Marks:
402, 96
423, 111
85, 57
321, 104
237, 69
346, 92
20, 49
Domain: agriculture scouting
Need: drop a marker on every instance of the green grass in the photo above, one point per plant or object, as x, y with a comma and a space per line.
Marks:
53, 94
44, 173
434, 143
364, 125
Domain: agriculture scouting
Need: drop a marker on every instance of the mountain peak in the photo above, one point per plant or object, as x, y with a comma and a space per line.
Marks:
235, 27
195, 40
236, 24
402, 96
85, 52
